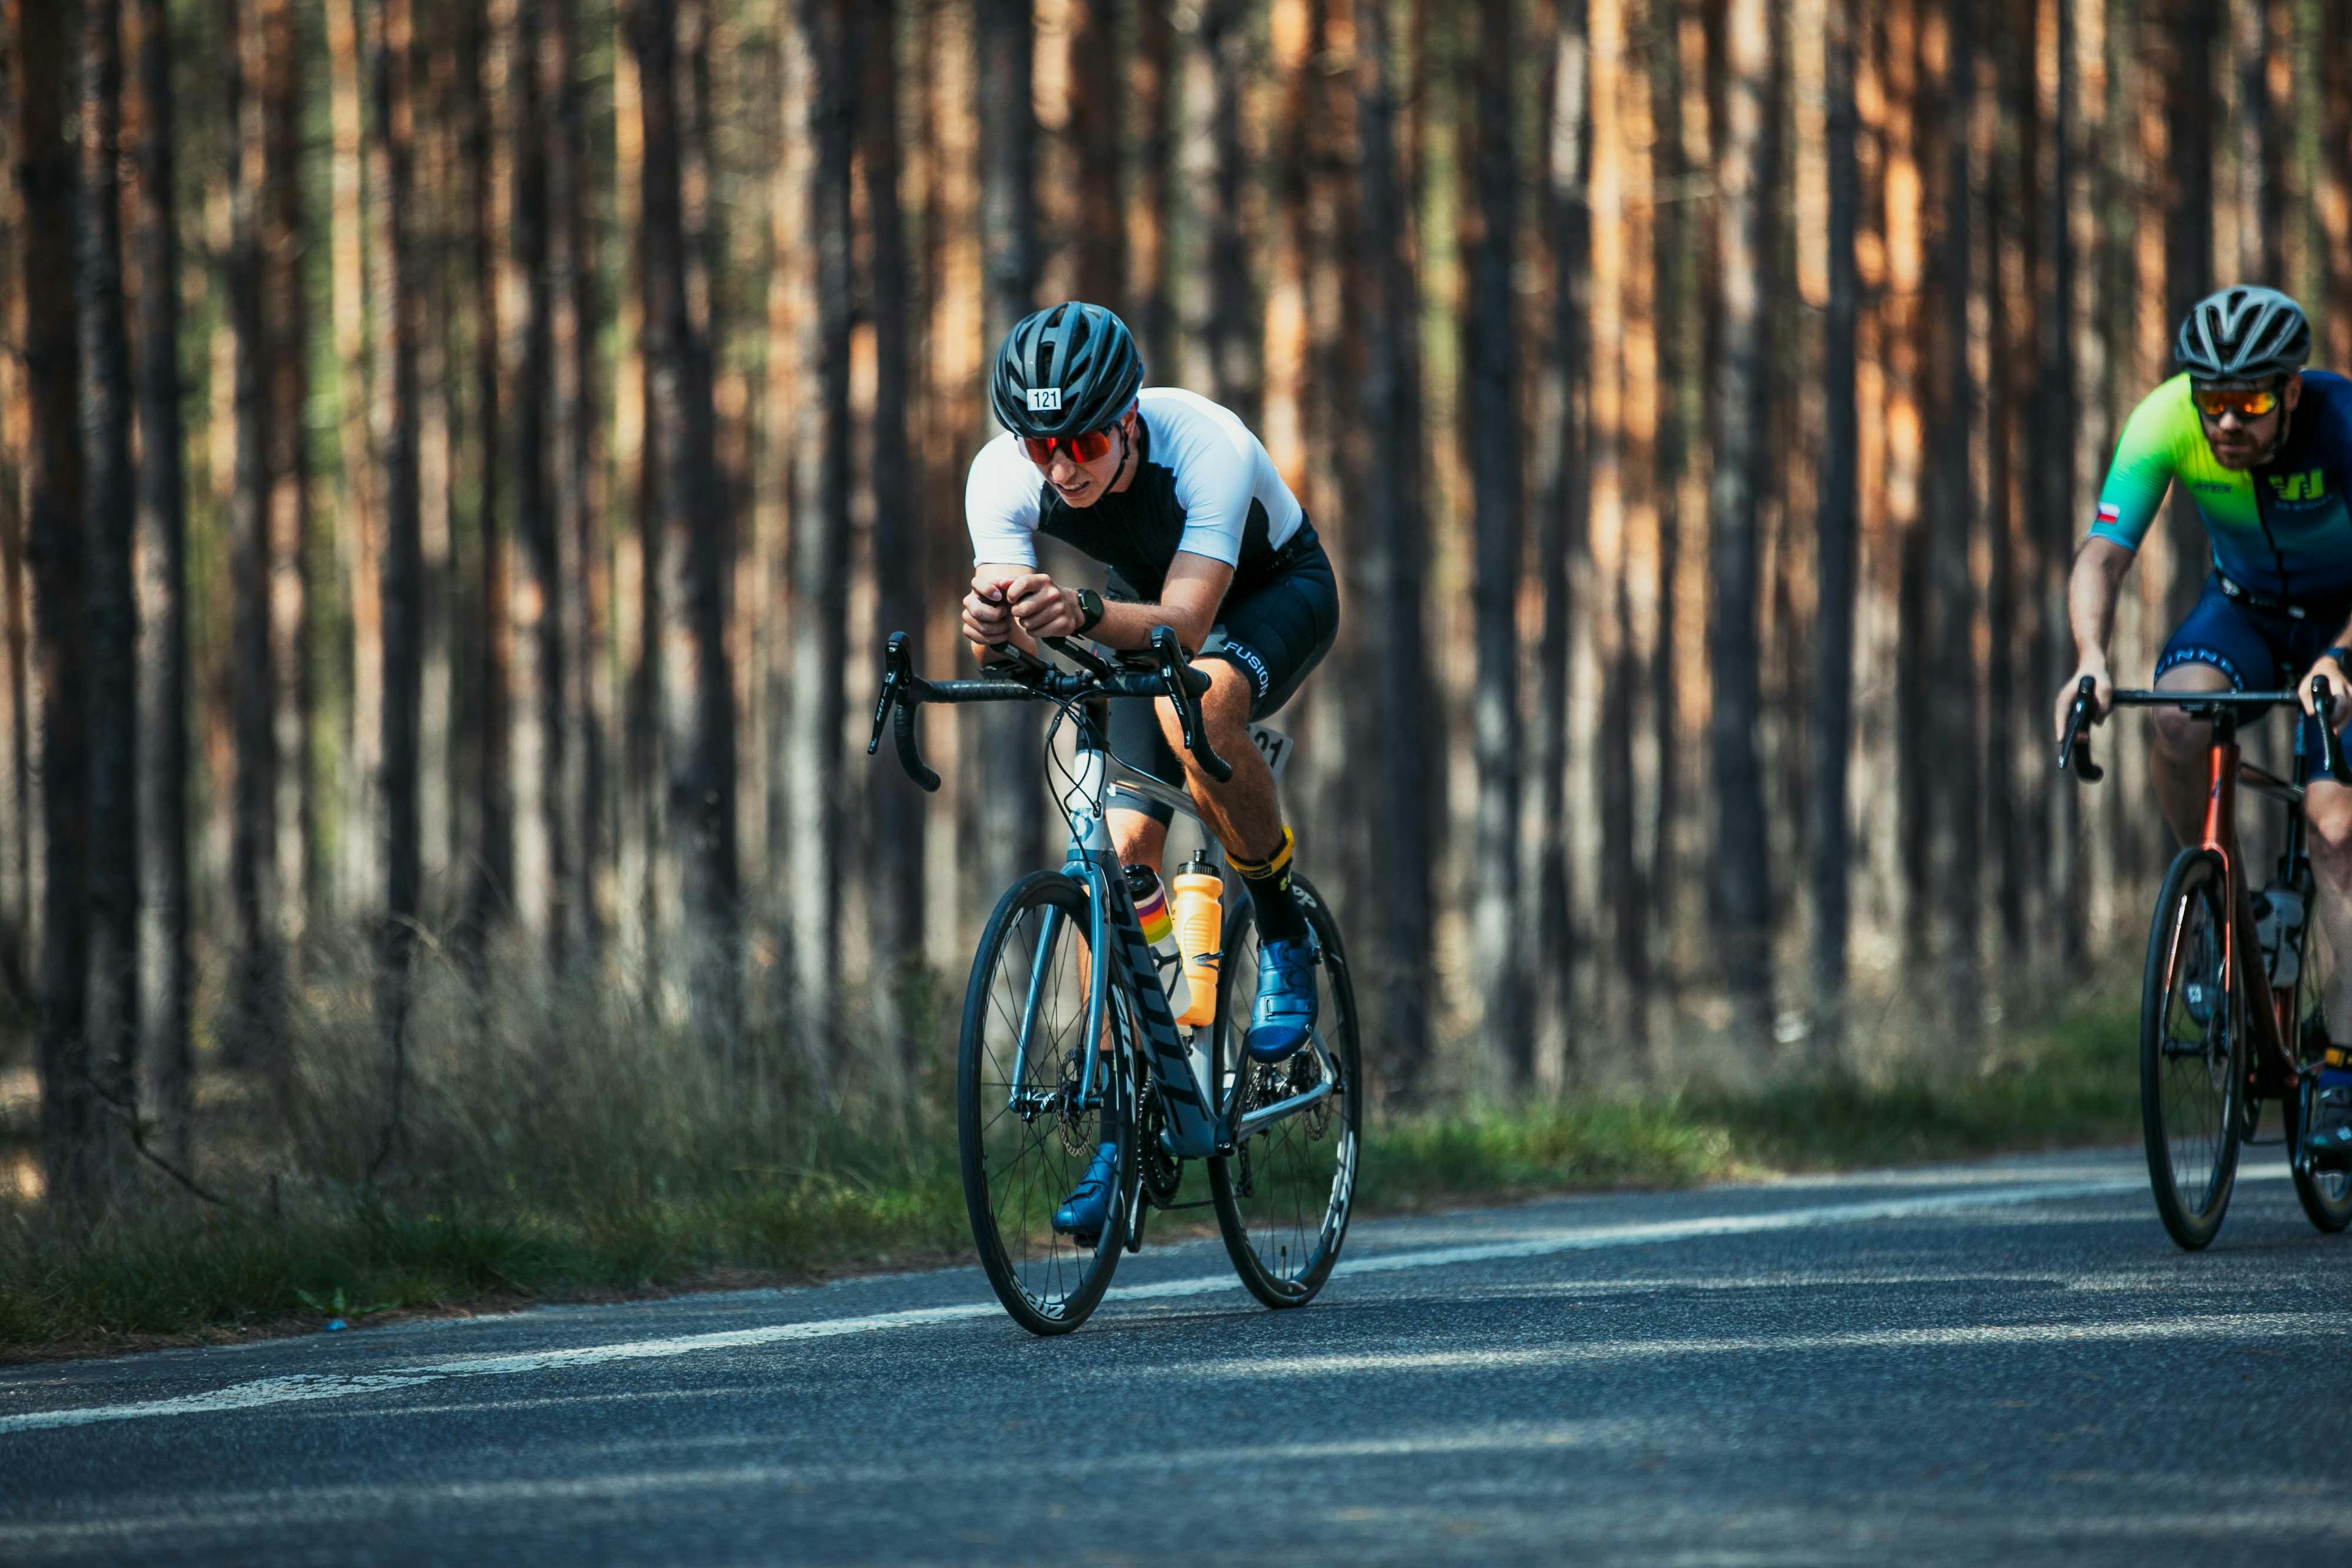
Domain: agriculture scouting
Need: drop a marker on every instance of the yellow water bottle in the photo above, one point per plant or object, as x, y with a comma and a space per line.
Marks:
1200, 933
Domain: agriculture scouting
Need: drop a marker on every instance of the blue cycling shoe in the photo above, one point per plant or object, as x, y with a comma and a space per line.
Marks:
1283, 1016
2329, 1138
1087, 1209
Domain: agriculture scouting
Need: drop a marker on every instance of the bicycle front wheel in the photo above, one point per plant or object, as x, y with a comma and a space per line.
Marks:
1025, 1129
1282, 1195
2191, 1053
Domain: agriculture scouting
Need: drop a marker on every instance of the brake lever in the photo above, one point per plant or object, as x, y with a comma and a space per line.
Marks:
2078, 727
2331, 750
1185, 686
894, 677
901, 689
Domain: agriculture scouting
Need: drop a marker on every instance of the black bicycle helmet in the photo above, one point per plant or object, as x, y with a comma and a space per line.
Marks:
2244, 333
1064, 370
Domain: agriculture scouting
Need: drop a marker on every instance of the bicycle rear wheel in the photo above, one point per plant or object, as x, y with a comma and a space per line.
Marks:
1282, 1195
1024, 1137
2325, 1195
2193, 1054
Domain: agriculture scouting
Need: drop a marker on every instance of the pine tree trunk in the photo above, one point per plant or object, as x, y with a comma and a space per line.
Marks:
819, 538
1835, 549
1152, 77
489, 883
73, 1159
1235, 333
359, 869
527, 134
578, 792
1006, 814
1561, 526
401, 585
2190, 30
255, 1038
166, 957
896, 902
1742, 888
1395, 561
1490, 416
1680, 407
19, 803
110, 611
295, 883
1950, 518
695, 688
1093, 134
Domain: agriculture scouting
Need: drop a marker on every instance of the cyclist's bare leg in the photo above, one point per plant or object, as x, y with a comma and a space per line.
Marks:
1243, 812
2178, 757
2328, 808
1140, 838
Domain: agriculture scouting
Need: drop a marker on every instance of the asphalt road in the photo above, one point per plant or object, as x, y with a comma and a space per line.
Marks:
2005, 1363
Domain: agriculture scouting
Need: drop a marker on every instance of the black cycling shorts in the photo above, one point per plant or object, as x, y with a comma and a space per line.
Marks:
1275, 631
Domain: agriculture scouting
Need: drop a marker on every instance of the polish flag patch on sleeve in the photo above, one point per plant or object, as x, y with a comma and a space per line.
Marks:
2109, 512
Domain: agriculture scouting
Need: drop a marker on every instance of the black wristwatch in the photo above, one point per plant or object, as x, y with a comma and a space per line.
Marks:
2343, 658
1090, 610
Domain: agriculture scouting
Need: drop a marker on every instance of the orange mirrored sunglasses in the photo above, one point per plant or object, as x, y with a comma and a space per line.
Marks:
2214, 403
1084, 447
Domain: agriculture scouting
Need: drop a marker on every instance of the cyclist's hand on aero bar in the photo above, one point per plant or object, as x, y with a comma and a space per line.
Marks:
1042, 607
986, 620
2097, 668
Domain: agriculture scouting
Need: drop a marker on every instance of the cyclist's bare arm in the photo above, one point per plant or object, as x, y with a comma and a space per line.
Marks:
2091, 592
1038, 606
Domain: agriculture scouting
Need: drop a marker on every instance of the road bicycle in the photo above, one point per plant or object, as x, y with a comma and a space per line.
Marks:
1068, 1038
2231, 1000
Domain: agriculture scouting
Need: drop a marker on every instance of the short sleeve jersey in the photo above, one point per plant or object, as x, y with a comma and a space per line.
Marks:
1202, 484
2281, 530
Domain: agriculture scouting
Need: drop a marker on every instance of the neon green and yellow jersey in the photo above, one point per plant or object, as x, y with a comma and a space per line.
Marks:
2281, 530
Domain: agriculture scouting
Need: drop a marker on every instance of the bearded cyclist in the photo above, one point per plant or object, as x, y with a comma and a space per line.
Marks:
1175, 496
2263, 448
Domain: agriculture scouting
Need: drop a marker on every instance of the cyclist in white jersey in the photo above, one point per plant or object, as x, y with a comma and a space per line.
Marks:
1179, 501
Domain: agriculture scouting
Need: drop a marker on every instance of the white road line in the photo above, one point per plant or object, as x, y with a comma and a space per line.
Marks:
270, 1391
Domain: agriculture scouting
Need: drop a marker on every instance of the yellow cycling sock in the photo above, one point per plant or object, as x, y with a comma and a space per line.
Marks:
1279, 918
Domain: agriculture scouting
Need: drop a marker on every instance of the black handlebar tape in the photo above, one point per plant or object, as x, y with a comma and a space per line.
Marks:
911, 753
2331, 750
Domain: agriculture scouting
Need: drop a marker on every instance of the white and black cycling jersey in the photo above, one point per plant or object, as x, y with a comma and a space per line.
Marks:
1203, 483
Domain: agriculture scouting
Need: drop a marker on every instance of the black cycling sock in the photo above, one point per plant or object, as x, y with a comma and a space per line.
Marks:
1279, 918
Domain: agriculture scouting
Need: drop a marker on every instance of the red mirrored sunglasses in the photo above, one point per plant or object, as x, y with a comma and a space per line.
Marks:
2246, 404
1082, 448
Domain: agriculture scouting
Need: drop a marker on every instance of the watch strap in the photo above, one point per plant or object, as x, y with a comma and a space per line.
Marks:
1090, 610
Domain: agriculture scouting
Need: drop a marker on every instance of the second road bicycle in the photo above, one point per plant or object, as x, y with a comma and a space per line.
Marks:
2233, 997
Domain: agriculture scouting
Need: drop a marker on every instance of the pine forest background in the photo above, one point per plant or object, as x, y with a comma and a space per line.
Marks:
458, 461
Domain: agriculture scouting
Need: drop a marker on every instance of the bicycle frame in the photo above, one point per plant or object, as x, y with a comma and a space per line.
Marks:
1198, 1123
2273, 1067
